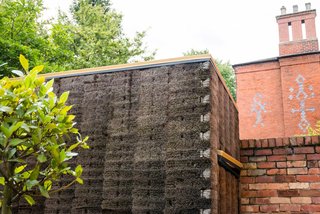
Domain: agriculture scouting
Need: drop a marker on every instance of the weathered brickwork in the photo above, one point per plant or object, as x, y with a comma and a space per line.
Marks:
278, 98
154, 134
280, 175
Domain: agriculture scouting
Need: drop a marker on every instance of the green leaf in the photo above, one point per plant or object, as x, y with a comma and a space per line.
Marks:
35, 173
5, 130
43, 191
31, 183
64, 97
11, 153
29, 199
24, 62
6, 109
2, 181
37, 69
79, 180
15, 142
73, 146
42, 158
48, 185
49, 85
78, 170
25, 127
18, 73
19, 169
62, 155
15, 126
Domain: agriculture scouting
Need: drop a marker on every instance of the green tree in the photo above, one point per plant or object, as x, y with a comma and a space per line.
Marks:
96, 38
92, 37
19, 32
35, 125
225, 69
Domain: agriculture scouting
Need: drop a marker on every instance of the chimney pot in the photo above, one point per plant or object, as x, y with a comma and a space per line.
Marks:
283, 10
295, 8
308, 6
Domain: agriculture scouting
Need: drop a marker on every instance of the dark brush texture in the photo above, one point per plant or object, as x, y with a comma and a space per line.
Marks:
149, 141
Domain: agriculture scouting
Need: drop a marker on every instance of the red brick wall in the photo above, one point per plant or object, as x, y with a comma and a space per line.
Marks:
274, 85
298, 44
297, 47
280, 175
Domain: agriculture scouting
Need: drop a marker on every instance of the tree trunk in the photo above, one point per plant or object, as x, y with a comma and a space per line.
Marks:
7, 192
6, 203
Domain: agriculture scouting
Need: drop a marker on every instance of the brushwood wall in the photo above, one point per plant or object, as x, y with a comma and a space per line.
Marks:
154, 134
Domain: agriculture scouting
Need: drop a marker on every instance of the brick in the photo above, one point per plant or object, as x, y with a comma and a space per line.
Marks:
248, 194
249, 165
281, 164
288, 193
262, 186
244, 159
297, 163
297, 171
244, 144
285, 178
299, 185
264, 179
251, 144
258, 144
310, 193
276, 172
272, 143
262, 201
266, 165
280, 200
318, 149
314, 171
283, 151
285, 142
296, 157
246, 152
263, 152
315, 200
313, 157
244, 172
256, 172
308, 140
244, 200
277, 158
279, 142
301, 200
303, 150
258, 159
314, 185
308, 178
269, 208
244, 186
250, 208
264, 143
289, 207
315, 139
266, 193
312, 164
310, 208
247, 180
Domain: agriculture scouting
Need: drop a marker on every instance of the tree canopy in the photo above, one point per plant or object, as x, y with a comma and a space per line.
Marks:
91, 36
225, 69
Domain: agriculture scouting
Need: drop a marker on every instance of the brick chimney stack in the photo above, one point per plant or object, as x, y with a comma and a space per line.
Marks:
297, 31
